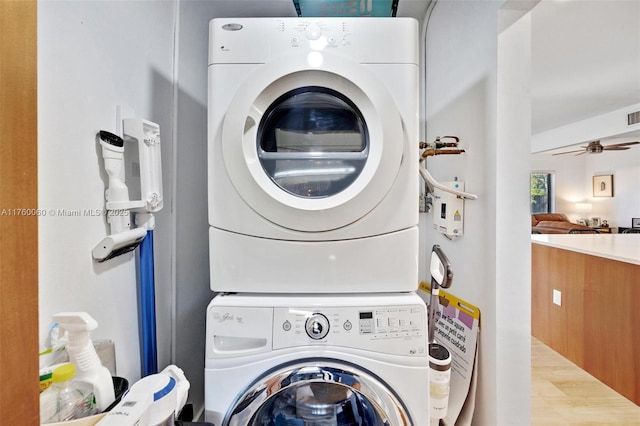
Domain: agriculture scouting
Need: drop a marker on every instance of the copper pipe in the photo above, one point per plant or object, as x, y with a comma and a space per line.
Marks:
431, 152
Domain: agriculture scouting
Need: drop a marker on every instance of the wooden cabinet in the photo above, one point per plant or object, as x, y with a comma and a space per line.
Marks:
597, 327
19, 404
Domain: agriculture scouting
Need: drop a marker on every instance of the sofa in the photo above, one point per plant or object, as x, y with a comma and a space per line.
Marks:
554, 223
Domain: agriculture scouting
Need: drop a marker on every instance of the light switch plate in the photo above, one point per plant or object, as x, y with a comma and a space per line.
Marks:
557, 297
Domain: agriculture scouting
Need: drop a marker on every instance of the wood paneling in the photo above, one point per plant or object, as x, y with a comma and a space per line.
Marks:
18, 221
598, 325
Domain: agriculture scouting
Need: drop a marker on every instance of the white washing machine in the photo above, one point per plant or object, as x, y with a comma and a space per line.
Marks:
313, 154
317, 360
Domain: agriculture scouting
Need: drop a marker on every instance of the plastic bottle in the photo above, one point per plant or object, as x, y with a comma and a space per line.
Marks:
82, 353
66, 399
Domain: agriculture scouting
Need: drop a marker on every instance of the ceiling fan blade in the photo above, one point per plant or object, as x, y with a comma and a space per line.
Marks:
622, 144
570, 152
615, 148
583, 152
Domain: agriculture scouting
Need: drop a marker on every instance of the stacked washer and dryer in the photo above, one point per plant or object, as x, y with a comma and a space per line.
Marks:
313, 207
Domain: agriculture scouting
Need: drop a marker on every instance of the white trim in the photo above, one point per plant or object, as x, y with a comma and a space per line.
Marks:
174, 185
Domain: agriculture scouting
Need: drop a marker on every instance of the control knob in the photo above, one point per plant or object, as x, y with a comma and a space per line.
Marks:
313, 32
317, 326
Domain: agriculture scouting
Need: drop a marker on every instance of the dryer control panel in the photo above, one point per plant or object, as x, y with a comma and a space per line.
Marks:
399, 330
314, 34
365, 40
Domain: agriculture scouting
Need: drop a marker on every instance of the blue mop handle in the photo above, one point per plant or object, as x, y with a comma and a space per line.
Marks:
147, 304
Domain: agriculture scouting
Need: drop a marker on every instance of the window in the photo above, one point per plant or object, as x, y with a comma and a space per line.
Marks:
541, 192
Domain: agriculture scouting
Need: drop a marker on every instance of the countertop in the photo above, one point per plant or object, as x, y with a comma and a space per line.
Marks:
620, 247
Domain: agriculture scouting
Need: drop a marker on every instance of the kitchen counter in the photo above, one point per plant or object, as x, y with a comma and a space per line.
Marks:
584, 297
620, 247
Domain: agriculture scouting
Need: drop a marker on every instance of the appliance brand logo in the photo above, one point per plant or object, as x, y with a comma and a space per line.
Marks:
224, 317
232, 27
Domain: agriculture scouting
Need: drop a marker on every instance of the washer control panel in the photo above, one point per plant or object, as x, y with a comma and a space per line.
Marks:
389, 329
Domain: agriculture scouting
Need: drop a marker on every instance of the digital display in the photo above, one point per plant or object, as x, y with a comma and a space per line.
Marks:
366, 315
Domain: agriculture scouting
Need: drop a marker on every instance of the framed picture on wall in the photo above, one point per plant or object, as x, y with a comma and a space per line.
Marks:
603, 186
635, 222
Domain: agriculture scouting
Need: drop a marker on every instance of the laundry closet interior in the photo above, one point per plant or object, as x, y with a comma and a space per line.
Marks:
297, 226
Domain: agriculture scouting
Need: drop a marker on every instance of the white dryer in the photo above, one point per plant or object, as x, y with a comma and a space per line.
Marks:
313, 147
298, 360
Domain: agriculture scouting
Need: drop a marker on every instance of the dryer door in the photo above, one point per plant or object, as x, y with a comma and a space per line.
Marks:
319, 393
313, 147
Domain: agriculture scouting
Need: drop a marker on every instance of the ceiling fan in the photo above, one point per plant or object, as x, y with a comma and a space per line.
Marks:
596, 147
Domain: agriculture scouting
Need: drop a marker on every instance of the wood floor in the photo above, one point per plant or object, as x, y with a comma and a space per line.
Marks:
564, 394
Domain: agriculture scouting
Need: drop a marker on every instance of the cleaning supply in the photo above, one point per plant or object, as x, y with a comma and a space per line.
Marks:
46, 375
66, 399
155, 400
78, 326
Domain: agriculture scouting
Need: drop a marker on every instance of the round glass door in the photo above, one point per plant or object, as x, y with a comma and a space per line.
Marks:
313, 142
318, 404
312, 150
318, 393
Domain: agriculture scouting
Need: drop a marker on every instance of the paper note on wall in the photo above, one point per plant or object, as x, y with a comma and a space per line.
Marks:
457, 328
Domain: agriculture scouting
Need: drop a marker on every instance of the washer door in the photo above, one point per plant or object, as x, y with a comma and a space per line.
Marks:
312, 148
318, 393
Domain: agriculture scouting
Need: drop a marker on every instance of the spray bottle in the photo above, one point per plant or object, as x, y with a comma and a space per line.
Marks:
82, 353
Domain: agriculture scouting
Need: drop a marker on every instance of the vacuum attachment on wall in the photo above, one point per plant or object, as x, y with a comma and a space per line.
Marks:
117, 244
143, 165
133, 165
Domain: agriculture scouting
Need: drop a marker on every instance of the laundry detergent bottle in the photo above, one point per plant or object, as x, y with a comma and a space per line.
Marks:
83, 355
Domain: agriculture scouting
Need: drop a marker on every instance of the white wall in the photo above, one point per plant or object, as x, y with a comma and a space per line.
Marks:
573, 182
602, 126
92, 56
625, 168
151, 58
477, 89
513, 260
